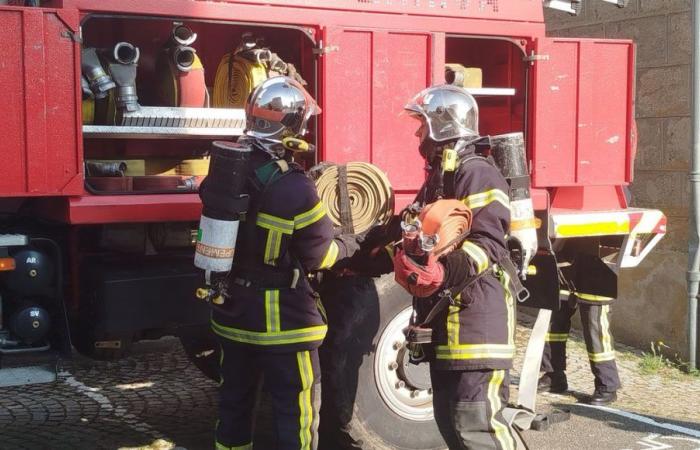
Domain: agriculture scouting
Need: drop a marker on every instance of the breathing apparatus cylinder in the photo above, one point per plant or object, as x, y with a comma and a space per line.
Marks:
508, 151
224, 202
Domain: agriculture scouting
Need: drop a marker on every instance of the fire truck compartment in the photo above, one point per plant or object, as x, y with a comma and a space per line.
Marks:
214, 41
502, 107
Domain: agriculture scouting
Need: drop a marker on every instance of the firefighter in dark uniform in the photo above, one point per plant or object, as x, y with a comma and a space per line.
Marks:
590, 287
272, 322
473, 339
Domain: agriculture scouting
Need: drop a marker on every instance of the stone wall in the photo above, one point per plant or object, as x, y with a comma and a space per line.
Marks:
653, 302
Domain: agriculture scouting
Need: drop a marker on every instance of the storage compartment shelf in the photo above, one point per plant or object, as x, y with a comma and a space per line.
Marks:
92, 209
130, 132
506, 92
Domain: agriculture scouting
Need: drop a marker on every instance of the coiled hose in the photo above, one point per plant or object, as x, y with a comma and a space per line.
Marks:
450, 220
235, 81
370, 196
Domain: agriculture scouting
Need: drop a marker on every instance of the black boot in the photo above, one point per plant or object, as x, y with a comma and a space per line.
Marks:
601, 398
554, 382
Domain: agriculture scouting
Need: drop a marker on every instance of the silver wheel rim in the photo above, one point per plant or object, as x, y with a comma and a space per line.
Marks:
402, 399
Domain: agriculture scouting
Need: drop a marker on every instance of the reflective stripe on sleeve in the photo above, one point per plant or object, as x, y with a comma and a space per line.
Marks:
310, 334
309, 217
477, 254
485, 198
273, 247
279, 224
331, 256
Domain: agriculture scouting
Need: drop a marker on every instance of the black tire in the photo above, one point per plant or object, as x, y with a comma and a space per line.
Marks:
353, 413
202, 350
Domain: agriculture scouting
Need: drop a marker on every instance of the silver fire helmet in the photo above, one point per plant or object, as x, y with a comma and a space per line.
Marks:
447, 112
279, 107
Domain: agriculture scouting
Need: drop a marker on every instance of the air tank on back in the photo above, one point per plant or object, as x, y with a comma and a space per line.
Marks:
508, 151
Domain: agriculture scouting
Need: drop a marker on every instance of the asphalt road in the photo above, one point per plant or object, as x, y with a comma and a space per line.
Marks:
156, 397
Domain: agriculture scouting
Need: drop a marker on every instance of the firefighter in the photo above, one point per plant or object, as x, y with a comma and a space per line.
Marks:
589, 287
271, 322
473, 338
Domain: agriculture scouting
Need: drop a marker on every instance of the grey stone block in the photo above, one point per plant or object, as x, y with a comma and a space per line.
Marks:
664, 6
680, 42
664, 190
677, 143
649, 33
607, 12
650, 144
663, 91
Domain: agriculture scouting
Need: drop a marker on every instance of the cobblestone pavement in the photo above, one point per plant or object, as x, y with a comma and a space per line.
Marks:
155, 399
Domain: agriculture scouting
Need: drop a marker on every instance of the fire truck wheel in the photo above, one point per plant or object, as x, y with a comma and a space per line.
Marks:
202, 350
373, 398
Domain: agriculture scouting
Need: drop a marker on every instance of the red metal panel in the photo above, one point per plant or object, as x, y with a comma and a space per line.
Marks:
41, 151
133, 208
346, 96
583, 110
511, 10
401, 69
367, 82
12, 87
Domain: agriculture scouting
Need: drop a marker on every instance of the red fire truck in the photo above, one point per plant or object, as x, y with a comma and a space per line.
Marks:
99, 269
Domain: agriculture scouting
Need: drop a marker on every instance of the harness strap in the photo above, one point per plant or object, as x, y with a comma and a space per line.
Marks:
346, 224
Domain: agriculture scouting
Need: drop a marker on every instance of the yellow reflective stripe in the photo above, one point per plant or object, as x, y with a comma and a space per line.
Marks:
453, 325
556, 337
221, 365
273, 247
593, 229
243, 447
310, 334
601, 357
594, 298
220, 446
475, 351
477, 254
331, 256
305, 409
500, 429
390, 250
272, 310
485, 198
606, 339
504, 278
275, 223
309, 217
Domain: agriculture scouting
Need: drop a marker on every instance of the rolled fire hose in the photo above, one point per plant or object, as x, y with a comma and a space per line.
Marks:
180, 71
183, 88
448, 220
371, 198
233, 83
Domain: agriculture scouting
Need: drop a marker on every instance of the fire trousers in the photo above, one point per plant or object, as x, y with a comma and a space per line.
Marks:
468, 407
599, 342
293, 380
